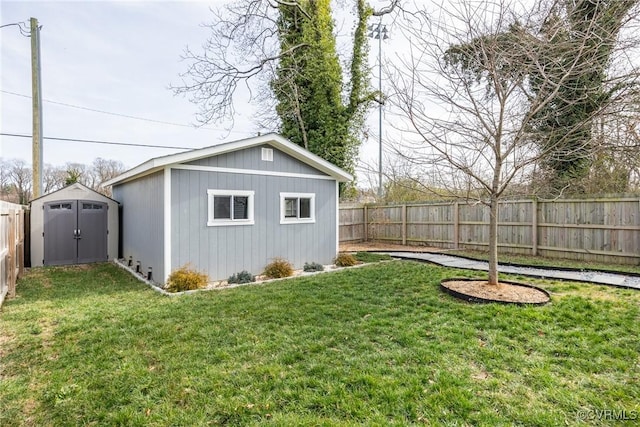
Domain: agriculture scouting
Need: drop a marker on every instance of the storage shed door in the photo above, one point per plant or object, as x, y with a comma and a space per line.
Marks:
92, 232
75, 231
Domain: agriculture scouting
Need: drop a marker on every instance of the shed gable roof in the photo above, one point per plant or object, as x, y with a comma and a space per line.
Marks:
272, 139
80, 188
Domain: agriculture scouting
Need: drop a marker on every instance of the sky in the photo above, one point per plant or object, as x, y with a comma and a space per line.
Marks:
117, 57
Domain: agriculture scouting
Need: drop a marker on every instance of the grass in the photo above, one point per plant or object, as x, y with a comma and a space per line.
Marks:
377, 345
549, 262
371, 257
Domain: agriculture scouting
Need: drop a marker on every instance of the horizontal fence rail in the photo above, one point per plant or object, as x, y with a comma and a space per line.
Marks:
600, 230
11, 248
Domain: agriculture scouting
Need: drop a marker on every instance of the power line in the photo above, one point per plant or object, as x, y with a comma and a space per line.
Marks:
22, 26
118, 114
103, 112
91, 141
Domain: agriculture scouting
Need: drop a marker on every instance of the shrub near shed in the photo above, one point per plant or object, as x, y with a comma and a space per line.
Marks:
186, 278
278, 268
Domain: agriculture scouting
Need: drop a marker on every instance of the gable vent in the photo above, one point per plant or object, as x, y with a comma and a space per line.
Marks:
267, 154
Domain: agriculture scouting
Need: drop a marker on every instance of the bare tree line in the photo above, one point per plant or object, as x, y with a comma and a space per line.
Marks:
16, 177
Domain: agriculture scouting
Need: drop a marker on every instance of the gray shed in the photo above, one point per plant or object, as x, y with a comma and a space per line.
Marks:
73, 225
230, 207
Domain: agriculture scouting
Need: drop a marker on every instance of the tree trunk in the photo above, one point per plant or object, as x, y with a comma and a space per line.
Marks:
493, 241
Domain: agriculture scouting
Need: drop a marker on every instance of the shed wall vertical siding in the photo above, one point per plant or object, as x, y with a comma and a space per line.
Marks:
224, 250
251, 158
143, 221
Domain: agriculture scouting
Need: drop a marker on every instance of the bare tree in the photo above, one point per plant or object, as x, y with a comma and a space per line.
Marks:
4, 179
243, 51
77, 172
54, 178
102, 170
469, 107
20, 177
15, 177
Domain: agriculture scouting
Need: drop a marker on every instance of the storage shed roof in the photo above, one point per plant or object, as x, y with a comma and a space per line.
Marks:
75, 190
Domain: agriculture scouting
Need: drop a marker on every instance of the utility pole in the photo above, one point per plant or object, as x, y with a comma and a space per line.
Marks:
36, 89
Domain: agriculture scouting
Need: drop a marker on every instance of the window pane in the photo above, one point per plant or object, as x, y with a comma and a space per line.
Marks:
65, 206
222, 207
290, 208
87, 206
305, 208
240, 207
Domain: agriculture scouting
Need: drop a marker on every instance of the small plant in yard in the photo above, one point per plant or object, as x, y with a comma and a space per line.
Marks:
242, 277
186, 279
345, 260
314, 266
278, 268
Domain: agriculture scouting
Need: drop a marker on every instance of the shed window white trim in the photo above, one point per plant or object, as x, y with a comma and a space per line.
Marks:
230, 207
297, 208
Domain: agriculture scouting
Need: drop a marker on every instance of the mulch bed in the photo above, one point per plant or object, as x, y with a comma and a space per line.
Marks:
505, 292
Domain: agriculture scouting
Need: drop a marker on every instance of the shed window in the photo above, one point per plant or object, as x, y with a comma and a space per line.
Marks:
230, 207
65, 206
297, 208
87, 206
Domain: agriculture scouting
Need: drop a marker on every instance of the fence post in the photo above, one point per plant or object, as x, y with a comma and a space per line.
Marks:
404, 225
365, 222
21, 234
11, 258
534, 227
456, 225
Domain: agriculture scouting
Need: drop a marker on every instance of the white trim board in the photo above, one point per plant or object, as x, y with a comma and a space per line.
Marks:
252, 172
167, 224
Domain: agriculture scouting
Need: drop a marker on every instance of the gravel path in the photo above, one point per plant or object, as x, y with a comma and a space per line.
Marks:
612, 279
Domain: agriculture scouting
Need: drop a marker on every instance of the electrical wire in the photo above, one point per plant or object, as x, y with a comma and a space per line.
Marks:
119, 114
24, 31
91, 141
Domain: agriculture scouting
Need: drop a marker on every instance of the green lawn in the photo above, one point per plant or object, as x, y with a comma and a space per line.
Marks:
376, 345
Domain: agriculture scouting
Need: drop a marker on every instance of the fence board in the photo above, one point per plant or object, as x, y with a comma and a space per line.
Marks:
606, 230
11, 248
351, 225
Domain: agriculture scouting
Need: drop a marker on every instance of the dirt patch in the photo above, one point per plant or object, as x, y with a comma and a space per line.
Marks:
381, 246
5, 339
481, 291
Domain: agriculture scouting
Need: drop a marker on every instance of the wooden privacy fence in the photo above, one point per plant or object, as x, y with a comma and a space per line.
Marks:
604, 230
11, 248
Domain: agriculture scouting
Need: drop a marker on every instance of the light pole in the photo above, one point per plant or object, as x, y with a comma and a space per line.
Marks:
379, 31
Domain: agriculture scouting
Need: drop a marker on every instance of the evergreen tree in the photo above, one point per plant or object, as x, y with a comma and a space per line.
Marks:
580, 38
564, 61
290, 45
309, 85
